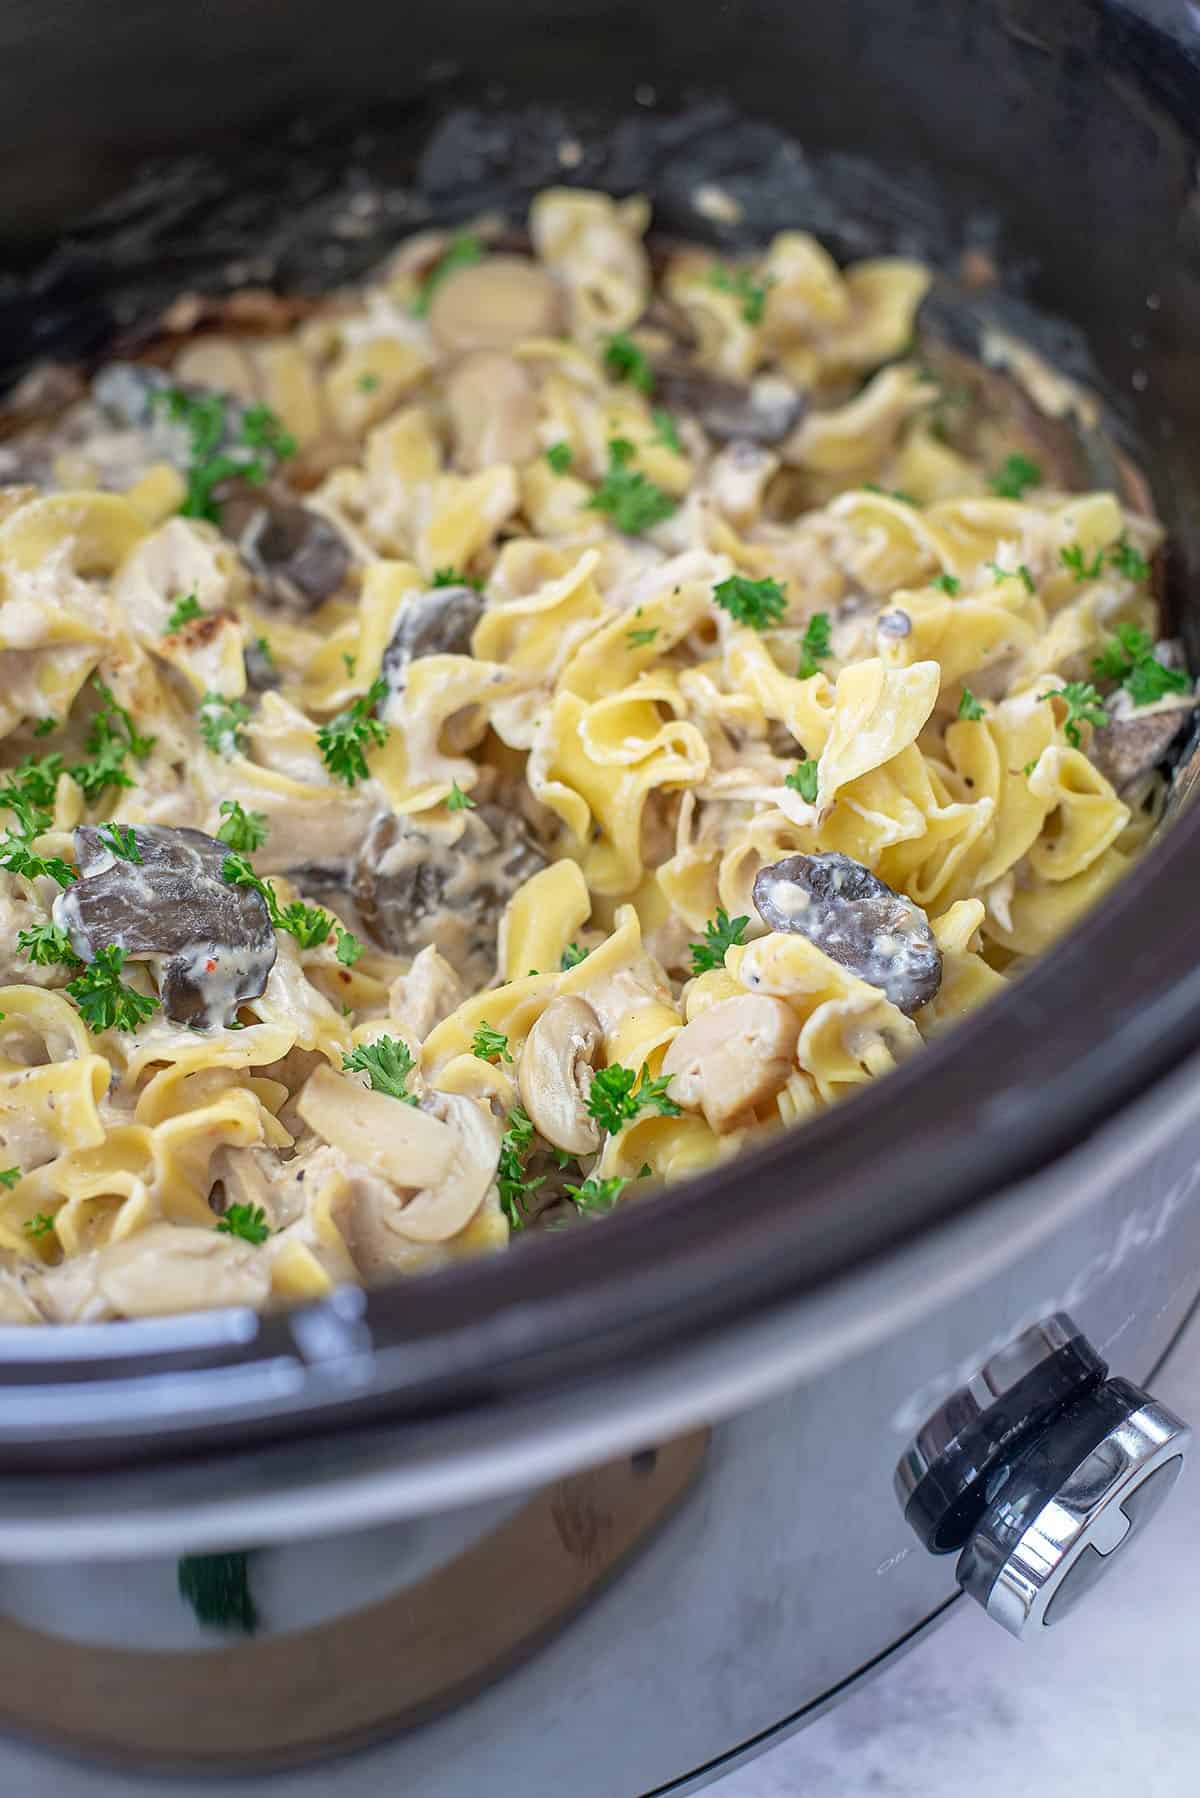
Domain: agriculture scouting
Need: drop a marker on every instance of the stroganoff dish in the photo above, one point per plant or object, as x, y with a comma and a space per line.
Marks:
503, 739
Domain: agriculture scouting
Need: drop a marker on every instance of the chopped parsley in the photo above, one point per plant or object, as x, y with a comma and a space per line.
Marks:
344, 740
596, 1196
349, 949
242, 830
906, 499
490, 1045
387, 1063
111, 737
463, 250
457, 800
741, 283
719, 937
249, 1222
1083, 706
946, 583
221, 722
516, 1146
1019, 573
803, 779
349, 662
625, 362
307, 923
218, 1589
45, 945
367, 382
104, 1001
1072, 557
1015, 474
16, 857
572, 955
265, 651
450, 577
631, 500
1128, 657
9, 1177
45, 727
617, 1095
183, 612
639, 638
969, 706
759, 604
665, 431
120, 841
1128, 561
260, 445
815, 645
40, 1224
560, 456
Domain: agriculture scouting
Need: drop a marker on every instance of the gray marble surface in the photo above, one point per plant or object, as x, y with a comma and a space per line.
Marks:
1105, 1706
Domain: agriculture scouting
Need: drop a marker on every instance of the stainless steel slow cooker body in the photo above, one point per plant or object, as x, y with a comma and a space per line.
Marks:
749, 1358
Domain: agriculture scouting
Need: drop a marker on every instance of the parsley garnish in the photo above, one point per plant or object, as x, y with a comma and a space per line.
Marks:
183, 612
457, 800
614, 1099
720, 937
625, 362
572, 955
1083, 705
367, 382
665, 431
815, 645
349, 662
221, 722
120, 841
246, 831
1129, 657
633, 502
1129, 561
9, 1177
15, 854
560, 457
803, 779
307, 923
490, 1045
636, 639
1072, 557
40, 1224
265, 651
1014, 475
45, 726
597, 1196
104, 1002
946, 583
515, 1147
218, 1590
247, 1221
450, 577
760, 604
1150, 680
740, 282
349, 949
261, 444
462, 250
387, 1063
1019, 573
344, 739
969, 706
111, 737
45, 944
905, 499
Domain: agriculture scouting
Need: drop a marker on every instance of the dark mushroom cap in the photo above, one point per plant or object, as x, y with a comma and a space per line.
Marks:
855, 919
729, 409
214, 942
421, 883
300, 557
1127, 748
438, 622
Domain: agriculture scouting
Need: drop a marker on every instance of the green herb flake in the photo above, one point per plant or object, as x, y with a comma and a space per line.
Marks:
804, 779
387, 1063
367, 382
719, 937
218, 1589
571, 957
628, 497
46, 946
9, 1177
349, 949
307, 923
516, 1146
1129, 562
104, 1001
490, 1045
759, 604
120, 841
45, 727
457, 800
559, 457
1015, 475
451, 577
1128, 657
596, 1196
946, 583
815, 645
242, 830
248, 1222
184, 611
617, 1095
968, 706
221, 722
1083, 706
741, 283
639, 638
344, 740
624, 361
665, 430
1074, 559
40, 1224
463, 251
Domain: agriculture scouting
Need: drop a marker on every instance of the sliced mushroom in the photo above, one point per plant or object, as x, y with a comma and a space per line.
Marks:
393, 1139
439, 622
494, 304
764, 411
443, 883
212, 943
493, 411
855, 919
162, 1269
441, 1211
300, 557
555, 1074
1132, 746
733, 1057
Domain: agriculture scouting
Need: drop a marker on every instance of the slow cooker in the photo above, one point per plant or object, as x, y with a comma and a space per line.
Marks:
604, 1515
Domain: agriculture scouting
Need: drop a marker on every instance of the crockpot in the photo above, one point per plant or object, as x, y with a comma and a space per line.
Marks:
599, 1516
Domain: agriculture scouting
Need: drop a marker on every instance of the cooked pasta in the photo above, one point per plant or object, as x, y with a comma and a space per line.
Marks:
513, 738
